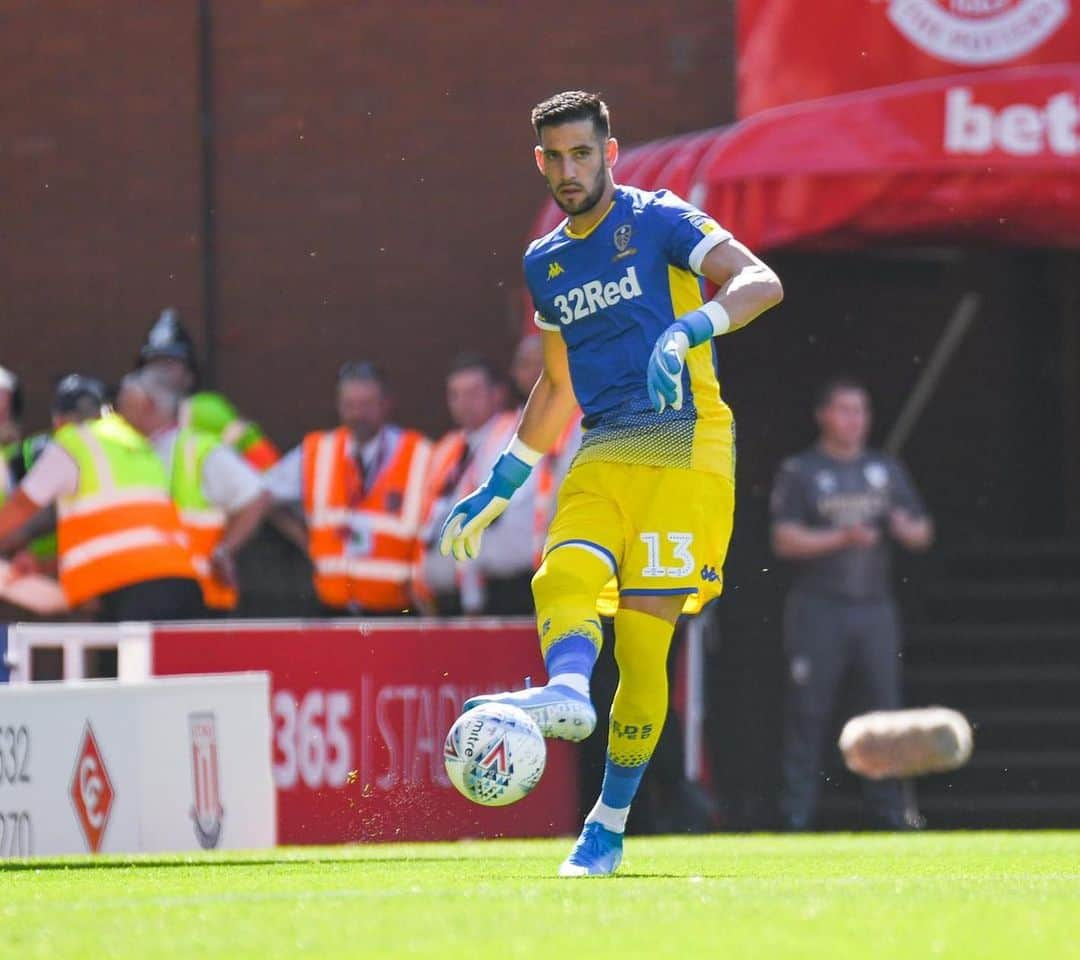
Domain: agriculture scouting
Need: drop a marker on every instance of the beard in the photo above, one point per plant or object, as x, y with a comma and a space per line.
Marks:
586, 203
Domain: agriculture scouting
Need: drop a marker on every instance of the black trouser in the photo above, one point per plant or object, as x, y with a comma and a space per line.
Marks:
170, 598
828, 640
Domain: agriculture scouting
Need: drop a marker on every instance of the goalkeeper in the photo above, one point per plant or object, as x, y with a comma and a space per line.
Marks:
648, 501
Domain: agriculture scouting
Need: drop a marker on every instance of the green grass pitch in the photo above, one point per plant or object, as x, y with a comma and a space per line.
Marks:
873, 897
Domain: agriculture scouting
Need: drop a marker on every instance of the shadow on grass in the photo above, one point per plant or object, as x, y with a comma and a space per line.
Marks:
14, 866
673, 876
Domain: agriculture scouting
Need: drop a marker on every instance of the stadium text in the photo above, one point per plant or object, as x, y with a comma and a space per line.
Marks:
16, 826
1020, 129
14, 754
396, 737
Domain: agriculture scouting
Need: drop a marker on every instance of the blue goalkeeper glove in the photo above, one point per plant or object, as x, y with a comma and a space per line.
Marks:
473, 515
665, 370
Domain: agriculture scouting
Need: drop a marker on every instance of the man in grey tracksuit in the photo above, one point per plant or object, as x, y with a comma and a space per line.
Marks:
836, 508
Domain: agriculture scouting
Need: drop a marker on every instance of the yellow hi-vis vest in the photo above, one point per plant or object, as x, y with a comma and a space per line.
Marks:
203, 521
120, 527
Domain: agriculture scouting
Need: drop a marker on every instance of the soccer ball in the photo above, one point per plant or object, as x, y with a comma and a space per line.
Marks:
494, 754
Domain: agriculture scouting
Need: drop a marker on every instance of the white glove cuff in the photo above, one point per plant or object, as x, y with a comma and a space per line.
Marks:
524, 452
721, 320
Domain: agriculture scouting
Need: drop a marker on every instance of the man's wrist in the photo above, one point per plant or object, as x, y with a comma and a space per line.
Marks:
513, 467
707, 321
526, 454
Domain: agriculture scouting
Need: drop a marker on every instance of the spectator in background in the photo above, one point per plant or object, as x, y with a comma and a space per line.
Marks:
499, 582
76, 399
835, 510
361, 488
121, 548
169, 352
525, 369
218, 495
526, 365
10, 434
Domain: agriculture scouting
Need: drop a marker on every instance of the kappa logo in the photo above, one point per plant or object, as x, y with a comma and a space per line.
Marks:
977, 32
555, 270
91, 790
207, 812
498, 757
710, 574
581, 302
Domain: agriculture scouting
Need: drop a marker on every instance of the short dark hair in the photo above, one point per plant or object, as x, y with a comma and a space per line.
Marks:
569, 106
824, 394
473, 361
363, 370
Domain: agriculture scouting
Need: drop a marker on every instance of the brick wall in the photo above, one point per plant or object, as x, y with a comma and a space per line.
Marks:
373, 177
99, 167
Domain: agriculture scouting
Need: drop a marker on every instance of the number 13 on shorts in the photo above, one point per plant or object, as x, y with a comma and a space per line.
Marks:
678, 549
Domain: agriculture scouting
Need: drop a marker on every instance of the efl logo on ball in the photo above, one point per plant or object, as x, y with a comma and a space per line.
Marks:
91, 791
977, 32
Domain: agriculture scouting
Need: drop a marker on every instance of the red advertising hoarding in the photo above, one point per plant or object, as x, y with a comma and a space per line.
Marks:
360, 711
790, 52
992, 156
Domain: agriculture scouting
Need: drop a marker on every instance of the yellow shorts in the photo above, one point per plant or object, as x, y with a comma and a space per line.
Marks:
665, 531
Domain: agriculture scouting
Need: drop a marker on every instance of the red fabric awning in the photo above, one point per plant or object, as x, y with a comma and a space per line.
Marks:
990, 158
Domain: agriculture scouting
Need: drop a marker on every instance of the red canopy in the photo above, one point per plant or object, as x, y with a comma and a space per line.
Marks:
989, 157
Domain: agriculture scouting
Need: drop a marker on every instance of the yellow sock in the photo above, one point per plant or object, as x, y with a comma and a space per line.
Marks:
641, 700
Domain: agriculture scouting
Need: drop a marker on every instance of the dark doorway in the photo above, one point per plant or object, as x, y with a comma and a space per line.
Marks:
996, 452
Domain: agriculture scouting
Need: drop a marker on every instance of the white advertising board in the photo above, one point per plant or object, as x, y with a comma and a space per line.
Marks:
161, 765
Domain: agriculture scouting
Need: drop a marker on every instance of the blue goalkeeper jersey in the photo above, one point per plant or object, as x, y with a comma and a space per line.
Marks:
611, 292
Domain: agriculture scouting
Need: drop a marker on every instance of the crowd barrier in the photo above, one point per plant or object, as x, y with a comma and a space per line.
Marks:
358, 713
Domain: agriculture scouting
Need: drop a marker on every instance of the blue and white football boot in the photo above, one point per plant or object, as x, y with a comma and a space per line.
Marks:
597, 853
559, 712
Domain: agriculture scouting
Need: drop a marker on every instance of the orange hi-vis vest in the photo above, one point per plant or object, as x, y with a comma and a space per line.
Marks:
450, 456
450, 472
203, 521
362, 542
446, 458
120, 527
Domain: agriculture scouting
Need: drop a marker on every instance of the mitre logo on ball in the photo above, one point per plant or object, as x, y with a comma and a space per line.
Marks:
977, 32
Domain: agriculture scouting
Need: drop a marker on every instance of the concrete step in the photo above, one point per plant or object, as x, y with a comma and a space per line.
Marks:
1001, 644
1002, 602
965, 811
1021, 560
972, 689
